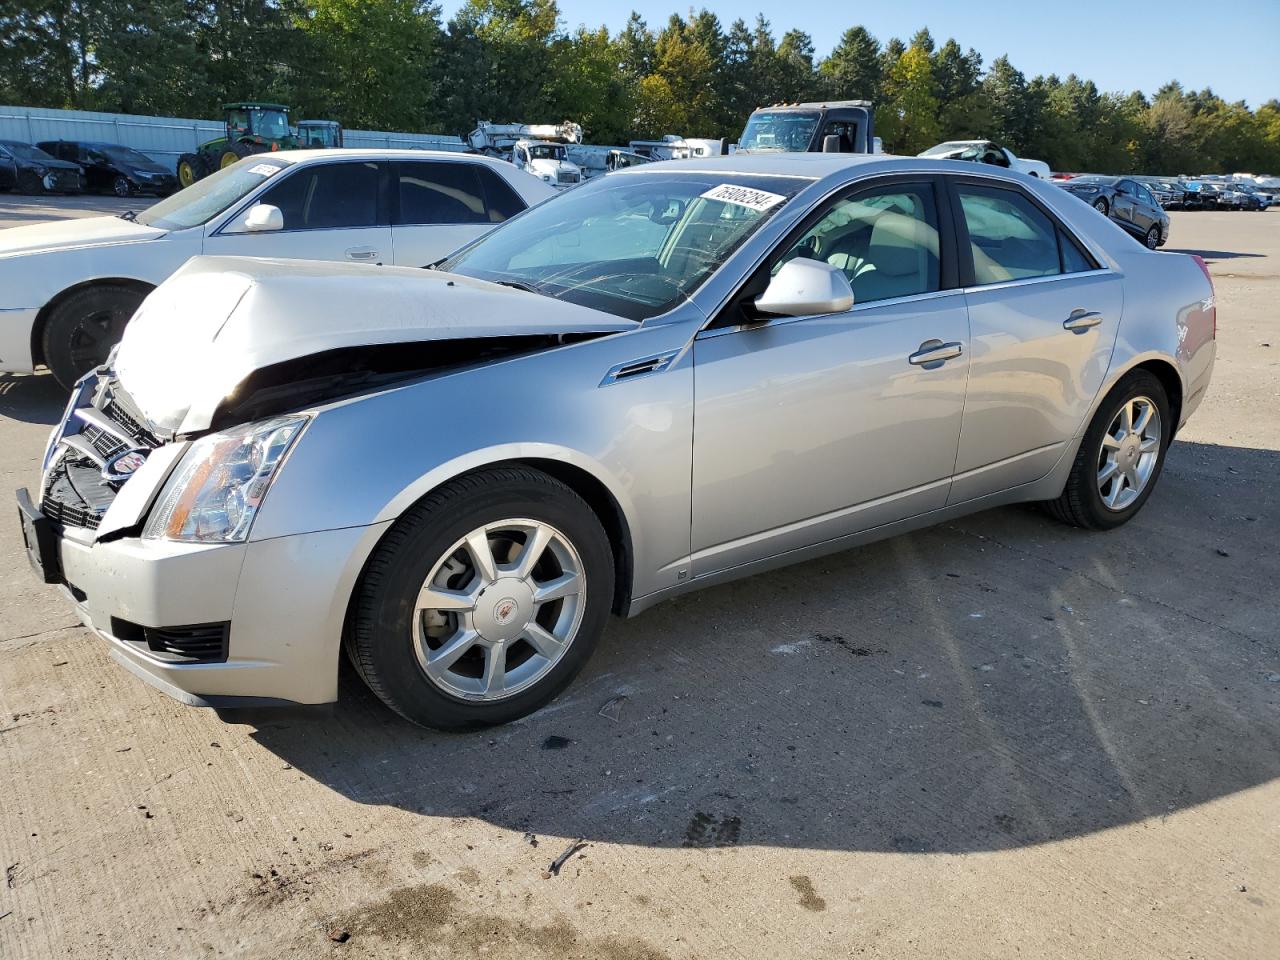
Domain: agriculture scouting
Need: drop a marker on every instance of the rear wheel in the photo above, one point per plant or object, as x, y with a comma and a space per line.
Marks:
1120, 458
1152, 239
83, 328
232, 153
484, 601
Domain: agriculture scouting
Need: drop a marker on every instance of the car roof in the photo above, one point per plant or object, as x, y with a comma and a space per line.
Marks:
377, 153
781, 164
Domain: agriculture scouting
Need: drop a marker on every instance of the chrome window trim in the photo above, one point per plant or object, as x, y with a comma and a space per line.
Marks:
707, 334
1028, 281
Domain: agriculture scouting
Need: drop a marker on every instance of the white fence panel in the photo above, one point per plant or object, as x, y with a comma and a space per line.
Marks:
164, 139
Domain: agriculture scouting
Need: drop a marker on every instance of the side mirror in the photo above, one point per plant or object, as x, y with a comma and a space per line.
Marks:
806, 287
831, 143
263, 217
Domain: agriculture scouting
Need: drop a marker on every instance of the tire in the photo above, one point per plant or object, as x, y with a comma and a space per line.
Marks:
191, 167
29, 183
1152, 239
1082, 502
1102, 206
233, 153
121, 187
82, 329
390, 638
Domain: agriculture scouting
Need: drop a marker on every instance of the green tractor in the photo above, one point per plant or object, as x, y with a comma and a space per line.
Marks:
250, 128
318, 134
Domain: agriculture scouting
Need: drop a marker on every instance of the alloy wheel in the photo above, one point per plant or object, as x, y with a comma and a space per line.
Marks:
1129, 453
499, 610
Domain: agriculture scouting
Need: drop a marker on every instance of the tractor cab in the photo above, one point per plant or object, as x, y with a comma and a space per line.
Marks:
265, 124
319, 134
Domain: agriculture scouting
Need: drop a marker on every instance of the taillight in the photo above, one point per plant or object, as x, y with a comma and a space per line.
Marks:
1204, 268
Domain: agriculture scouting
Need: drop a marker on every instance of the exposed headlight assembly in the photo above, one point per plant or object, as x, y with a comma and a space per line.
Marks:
218, 487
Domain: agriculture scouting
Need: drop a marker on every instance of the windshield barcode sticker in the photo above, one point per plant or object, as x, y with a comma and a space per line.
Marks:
264, 169
743, 196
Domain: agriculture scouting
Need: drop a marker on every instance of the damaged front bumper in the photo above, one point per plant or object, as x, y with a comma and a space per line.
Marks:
212, 624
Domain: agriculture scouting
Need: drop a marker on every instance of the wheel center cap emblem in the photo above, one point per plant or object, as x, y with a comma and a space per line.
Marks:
505, 611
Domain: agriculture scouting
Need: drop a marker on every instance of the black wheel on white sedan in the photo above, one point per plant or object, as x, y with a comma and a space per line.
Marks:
484, 601
81, 330
1153, 238
1120, 458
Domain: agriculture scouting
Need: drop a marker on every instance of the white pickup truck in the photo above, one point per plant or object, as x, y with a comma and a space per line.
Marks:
985, 151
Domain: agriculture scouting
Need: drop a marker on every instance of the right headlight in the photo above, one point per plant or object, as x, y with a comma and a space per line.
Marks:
218, 487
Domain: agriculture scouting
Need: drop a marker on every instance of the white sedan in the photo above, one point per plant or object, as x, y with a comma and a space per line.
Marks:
67, 289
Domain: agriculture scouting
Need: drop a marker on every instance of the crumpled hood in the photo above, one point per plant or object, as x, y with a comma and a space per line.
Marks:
218, 319
69, 234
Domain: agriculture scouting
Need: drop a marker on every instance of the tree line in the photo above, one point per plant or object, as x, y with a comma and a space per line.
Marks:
396, 64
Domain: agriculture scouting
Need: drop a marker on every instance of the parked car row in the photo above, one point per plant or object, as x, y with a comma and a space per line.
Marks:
1192, 193
73, 166
1127, 202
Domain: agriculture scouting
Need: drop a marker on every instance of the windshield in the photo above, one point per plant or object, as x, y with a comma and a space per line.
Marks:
546, 151
207, 198
24, 151
632, 244
271, 124
951, 147
780, 130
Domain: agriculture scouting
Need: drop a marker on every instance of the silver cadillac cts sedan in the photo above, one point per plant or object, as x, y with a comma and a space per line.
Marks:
675, 375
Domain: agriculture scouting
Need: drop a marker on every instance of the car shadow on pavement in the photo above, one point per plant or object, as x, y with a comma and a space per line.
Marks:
32, 398
1211, 256
992, 683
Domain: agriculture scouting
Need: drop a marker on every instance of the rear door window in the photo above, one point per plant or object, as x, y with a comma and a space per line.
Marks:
501, 200
1009, 237
440, 192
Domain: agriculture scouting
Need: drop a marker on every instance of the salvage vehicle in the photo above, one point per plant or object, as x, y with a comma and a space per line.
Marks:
837, 126
458, 473
111, 167
539, 149
1127, 203
29, 169
985, 151
67, 289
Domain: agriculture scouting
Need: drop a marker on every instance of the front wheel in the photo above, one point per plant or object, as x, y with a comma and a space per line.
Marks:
1101, 205
83, 328
484, 601
191, 167
121, 187
1120, 458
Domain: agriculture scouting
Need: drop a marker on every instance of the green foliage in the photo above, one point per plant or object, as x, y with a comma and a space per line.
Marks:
392, 64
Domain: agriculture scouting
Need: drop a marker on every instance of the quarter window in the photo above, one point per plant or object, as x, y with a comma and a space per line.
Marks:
1009, 237
328, 196
885, 242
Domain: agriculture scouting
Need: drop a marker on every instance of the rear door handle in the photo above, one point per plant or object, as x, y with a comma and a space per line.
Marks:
1082, 320
935, 351
361, 253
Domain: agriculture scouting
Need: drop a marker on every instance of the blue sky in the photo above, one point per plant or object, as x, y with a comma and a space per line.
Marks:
1119, 44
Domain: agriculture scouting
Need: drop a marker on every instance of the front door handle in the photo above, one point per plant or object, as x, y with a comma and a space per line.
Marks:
935, 351
1082, 320
361, 253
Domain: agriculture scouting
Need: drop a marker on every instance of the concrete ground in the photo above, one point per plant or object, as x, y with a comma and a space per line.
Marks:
1000, 737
